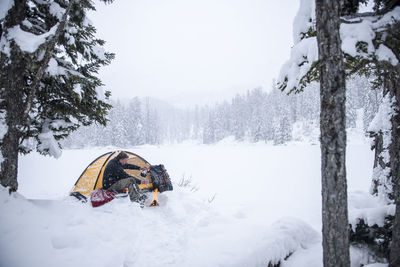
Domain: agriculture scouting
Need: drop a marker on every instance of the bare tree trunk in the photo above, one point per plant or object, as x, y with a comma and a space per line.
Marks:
335, 229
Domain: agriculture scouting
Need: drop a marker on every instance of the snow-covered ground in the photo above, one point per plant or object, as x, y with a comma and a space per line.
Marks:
266, 204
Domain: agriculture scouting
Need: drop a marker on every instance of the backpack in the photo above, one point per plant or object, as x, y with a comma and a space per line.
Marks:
160, 178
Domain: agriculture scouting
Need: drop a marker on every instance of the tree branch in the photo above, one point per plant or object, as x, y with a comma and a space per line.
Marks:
49, 49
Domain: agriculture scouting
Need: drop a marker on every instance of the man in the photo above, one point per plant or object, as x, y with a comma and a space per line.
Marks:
116, 179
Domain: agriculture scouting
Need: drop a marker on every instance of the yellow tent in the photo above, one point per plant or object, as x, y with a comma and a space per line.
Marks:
92, 176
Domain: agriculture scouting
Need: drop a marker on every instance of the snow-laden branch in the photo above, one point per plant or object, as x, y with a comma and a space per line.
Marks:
361, 40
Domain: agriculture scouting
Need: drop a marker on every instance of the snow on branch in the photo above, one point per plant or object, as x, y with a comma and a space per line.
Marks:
47, 143
363, 206
304, 20
361, 40
27, 41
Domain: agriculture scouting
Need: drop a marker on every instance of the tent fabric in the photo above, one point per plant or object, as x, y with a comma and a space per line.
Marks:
92, 177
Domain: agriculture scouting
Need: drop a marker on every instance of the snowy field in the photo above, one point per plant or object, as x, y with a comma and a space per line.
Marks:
266, 204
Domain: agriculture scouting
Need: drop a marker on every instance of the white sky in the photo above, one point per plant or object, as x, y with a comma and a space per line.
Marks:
191, 52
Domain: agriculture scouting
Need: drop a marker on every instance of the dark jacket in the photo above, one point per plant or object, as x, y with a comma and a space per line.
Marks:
114, 172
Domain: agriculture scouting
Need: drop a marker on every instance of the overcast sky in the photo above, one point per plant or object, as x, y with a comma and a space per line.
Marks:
191, 52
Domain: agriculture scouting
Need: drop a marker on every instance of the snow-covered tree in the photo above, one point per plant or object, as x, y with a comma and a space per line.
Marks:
135, 122
49, 58
151, 124
370, 44
239, 117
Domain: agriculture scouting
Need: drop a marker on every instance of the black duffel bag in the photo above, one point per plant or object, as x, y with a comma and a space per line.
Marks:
160, 178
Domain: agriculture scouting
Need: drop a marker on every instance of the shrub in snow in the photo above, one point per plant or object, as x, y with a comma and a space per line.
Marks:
371, 225
375, 238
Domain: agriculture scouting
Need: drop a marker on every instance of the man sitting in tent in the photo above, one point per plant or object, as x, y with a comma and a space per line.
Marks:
116, 179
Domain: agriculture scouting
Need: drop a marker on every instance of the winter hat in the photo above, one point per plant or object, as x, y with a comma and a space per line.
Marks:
122, 155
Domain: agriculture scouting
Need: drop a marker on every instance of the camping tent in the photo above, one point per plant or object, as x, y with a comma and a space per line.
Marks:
92, 176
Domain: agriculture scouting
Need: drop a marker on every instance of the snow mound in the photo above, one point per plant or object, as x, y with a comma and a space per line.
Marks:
182, 231
285, 237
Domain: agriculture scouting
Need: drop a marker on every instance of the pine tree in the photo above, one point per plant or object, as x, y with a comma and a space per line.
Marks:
135, 122
375, 57
119, 130
209, 135
49, 89
257, 119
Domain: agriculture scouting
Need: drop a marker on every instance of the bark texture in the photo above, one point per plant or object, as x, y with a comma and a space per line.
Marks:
335, 229
13, 78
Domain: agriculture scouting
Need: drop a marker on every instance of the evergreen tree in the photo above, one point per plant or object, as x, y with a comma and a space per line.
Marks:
257, 118
118, 125
238, 118
50, 88
209, 135
151, 125
376, 57
135, 122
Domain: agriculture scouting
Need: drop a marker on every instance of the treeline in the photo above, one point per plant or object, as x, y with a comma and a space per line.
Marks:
253, 117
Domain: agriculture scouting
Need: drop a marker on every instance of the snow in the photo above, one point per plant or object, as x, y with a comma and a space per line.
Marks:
27, 23
381, 124
100, 93
5, 5
304, 19
5, 47
368, 207
351, 34
384, 53
306, 131
361, 205
183, 231
56, 10
386, 111
54, 69
78, 89
354, 32
267, 205
302, 56
47, 142
99, 52
27, 41
57, 124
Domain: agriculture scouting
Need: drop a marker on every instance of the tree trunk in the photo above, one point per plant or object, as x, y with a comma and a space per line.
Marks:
394, 152
9, 167
14, 107
13, 79
335, 229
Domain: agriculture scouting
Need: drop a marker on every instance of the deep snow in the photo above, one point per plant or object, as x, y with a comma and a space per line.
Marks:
267, 203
